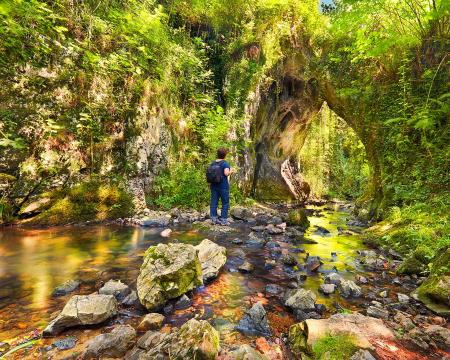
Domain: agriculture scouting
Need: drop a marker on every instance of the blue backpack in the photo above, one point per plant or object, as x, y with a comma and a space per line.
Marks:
214, 172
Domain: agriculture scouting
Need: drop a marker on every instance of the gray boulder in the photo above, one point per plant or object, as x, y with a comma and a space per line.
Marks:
66, 287
83, 310
111, 345
327, 289
168, 271
255, 322
301, 299
212, 258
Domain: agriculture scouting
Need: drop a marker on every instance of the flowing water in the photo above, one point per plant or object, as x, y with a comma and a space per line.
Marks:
34, 262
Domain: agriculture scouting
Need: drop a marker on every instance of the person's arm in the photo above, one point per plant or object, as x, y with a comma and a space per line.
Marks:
227, 171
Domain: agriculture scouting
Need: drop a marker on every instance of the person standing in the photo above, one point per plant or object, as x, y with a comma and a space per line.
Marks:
217, 175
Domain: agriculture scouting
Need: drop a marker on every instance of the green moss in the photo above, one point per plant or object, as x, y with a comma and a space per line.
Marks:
417, 262
298, 340
90, 201
298, 217
334, 347
436, 288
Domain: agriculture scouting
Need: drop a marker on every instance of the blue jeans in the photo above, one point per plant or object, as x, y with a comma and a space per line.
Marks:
224, 195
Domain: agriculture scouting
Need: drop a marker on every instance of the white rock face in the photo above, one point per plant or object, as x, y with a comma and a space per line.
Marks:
212, 258
83, 310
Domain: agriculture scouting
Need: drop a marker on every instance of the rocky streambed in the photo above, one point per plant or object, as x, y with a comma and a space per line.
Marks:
173, 286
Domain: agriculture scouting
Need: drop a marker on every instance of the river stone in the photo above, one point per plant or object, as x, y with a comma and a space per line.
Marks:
274, 230
212, 258
301, 299
246, 267
333, 278
363, 329
377, 312
255, 322
327, 289
66, 287
83, 310
254, 240
196, 339
65, 343
288, 259
168, 271
362, 355
404, 299
152, 321
313, 263
440, 335
116, 288
131, 299
246, 352
182, 303
111, 345
240, 213
348, 288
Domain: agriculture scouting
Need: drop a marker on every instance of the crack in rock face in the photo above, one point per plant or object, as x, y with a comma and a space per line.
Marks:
298, 187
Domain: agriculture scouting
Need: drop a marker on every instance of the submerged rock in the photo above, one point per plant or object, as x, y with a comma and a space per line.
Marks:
168, 271
111, 345
333, 278
301, 299
66, 287
116, 288
83, 310
255, 322
212, 258
363, 329
313, 263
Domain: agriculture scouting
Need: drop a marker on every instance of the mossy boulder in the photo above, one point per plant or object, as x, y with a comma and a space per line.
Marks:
417, 262
168, 271
298, 217
434, 292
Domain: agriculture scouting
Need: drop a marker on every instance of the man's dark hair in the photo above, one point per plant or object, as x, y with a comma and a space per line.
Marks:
221, 153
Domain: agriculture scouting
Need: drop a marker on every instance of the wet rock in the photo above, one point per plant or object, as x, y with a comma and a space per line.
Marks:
258, 228
363, 329
255, 322
313, 263
361, 279
246, 267
276, 220
272, 245
348, 288
327, 289
66, 287
321, 230
239, 253
294, 232
333, 278
212, 258
362, 355
255, 240
183, 303
131, 299
269, 264
404, 299
418, 337
301, 299
111, 345
155, 221
304, 315
356, 223
246, 352
83, 310
168, 271
237, 241
403, 321
274, 289
262, 219
440, 335
395, 255
377, 312
196, 339
298, 217
274, 230
116, 288
288, 259
166, 233
152, 321
66, 343
383, 294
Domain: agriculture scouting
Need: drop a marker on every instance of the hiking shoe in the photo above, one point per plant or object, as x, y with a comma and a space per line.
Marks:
215, 221
224, 222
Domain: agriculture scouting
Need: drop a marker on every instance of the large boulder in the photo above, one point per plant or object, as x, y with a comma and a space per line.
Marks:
255, 322
363, 329
111, 345
194, 340
83, 310
168, 271
301, 299
212, 258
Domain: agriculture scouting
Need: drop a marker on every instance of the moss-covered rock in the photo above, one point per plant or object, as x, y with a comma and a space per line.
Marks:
89, 201
417, 262
298, 217
168, 271
298, 339
435, 290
